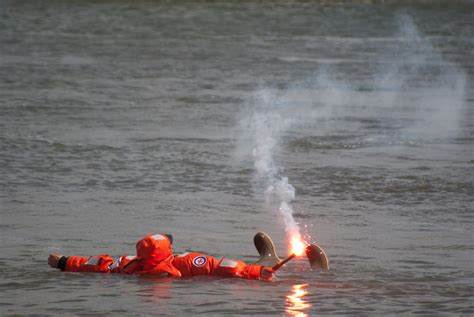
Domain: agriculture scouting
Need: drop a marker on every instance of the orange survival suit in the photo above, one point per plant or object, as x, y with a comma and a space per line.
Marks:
154, 256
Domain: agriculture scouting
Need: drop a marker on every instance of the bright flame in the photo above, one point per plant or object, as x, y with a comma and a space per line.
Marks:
297, 246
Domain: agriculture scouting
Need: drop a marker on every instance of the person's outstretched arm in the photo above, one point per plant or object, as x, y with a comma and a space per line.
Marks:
98, 263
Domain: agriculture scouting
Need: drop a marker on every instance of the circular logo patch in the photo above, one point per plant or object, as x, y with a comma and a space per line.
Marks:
199, 261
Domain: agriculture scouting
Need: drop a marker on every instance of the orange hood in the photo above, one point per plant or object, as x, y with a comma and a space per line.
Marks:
155, 254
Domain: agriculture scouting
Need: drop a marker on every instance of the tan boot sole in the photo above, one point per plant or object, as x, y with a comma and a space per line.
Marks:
266, 249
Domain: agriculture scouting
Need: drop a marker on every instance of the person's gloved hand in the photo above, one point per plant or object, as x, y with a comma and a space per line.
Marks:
53, 259
267, 273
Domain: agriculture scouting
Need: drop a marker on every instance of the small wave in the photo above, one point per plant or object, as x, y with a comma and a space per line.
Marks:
321, 143
308, 144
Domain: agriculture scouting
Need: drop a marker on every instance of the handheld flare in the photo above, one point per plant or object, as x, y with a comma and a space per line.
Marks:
283, 262
297, 246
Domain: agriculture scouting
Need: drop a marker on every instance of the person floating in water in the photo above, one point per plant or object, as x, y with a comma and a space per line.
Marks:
155, 256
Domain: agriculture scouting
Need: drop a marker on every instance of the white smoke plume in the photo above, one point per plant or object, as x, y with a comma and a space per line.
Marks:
422, 84
261, 131
412, 83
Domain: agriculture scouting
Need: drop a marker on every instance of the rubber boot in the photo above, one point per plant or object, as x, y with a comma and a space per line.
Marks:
317, 257
266, 249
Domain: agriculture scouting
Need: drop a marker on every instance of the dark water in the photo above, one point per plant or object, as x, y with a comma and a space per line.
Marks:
118, 120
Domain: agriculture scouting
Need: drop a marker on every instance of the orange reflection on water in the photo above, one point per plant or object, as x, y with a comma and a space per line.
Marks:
295, 301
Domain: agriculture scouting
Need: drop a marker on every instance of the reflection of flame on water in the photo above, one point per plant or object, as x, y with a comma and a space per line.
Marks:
295, 302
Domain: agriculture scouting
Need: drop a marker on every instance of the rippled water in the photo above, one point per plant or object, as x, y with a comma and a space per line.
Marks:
118, 120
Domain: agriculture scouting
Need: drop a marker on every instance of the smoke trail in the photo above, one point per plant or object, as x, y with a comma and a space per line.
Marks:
425, 86
263, 130
413, 84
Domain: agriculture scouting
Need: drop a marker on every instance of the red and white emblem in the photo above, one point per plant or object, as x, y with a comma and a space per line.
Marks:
199, 261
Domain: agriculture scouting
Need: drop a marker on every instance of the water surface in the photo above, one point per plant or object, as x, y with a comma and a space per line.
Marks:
119, 120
